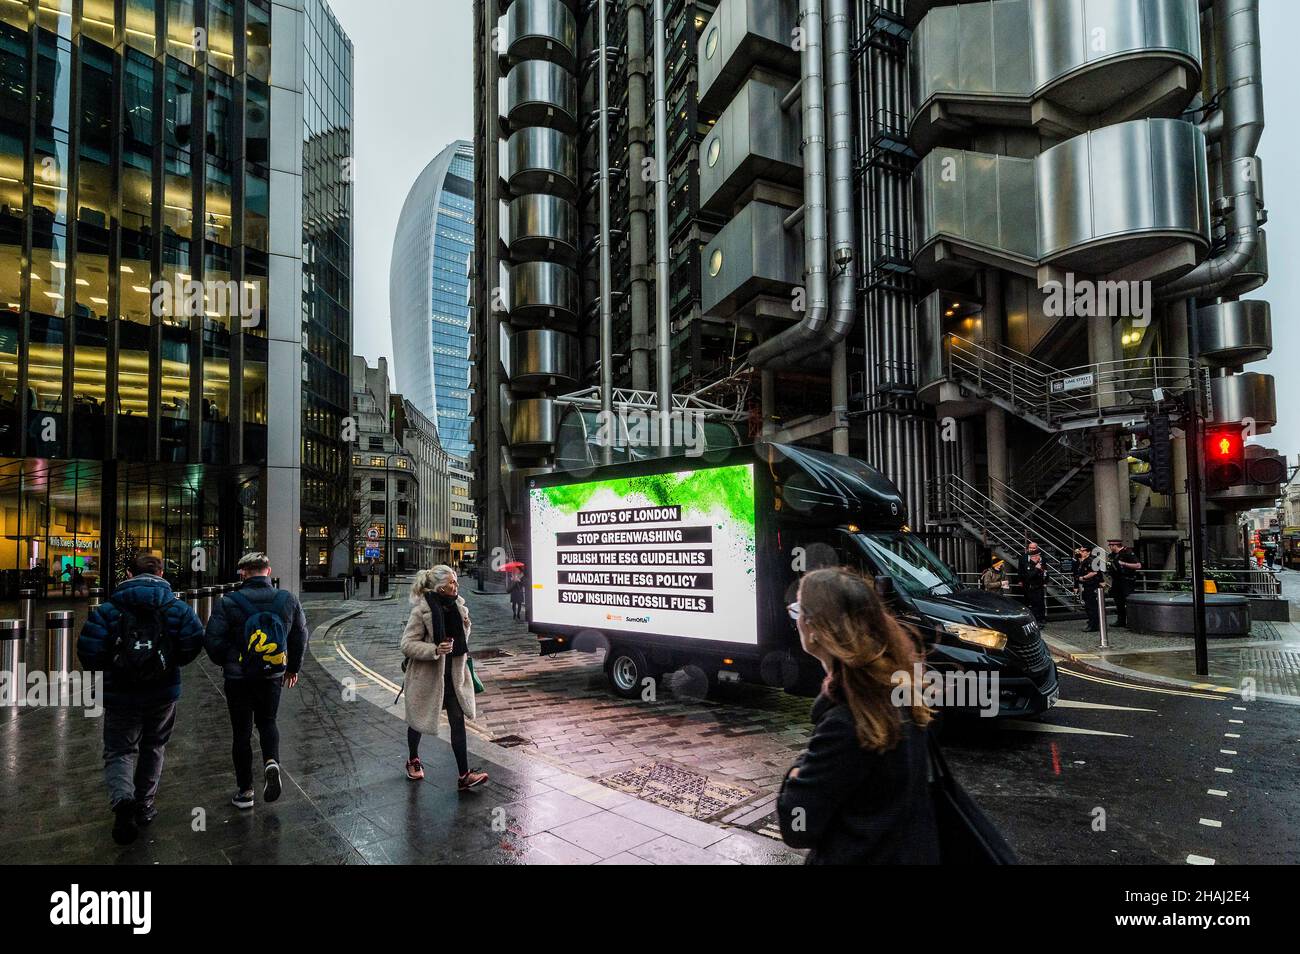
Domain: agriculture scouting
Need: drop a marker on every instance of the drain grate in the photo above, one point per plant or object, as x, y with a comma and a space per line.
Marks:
679, 788
511, 741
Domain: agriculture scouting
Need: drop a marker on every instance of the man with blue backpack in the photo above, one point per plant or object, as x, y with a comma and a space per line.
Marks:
258, 636
139, 638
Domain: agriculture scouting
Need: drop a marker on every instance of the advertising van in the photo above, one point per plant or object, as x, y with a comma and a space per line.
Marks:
692, 561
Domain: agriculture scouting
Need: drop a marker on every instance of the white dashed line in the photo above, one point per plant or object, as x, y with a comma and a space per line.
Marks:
1237, 721
1216, 791
1231, 735
1225, 771
1211, 823
1227, 751
1239, 708
1199, 860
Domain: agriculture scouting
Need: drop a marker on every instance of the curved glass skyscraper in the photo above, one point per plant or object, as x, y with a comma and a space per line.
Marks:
428, 294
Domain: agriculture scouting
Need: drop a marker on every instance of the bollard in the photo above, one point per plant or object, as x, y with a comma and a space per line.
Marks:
25, 600
13, 635
58, 642
1101, 617
96, 596
205, 603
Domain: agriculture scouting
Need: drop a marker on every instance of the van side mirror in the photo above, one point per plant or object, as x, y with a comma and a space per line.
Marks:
885, 587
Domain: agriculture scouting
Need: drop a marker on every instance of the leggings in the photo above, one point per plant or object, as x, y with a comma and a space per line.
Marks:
455, 718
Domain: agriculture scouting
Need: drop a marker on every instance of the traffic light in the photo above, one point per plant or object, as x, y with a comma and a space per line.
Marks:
1159, 453
1266, 470
1225, 458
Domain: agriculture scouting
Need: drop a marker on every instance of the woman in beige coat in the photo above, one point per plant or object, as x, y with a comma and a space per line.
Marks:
435, 644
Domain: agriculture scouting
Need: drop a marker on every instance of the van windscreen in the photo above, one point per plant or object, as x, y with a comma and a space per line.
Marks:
914, 568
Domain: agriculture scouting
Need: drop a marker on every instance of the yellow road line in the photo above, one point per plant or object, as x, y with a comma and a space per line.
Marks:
1130, 685
362, 668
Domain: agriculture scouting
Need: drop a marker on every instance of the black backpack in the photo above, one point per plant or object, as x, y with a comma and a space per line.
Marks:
263, 651
141, 648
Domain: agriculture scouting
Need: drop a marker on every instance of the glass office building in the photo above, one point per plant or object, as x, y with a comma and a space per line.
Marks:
428, 294
149, 307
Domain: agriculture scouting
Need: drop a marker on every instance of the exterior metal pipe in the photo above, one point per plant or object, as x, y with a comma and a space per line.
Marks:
782, 349
663, 345
638, 226
1242, 126
606, 301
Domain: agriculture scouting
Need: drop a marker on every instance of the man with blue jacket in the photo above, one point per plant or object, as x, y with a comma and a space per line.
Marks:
139, 639
258, 636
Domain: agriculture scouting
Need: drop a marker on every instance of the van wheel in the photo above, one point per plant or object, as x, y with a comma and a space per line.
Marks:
801, 675
626, 670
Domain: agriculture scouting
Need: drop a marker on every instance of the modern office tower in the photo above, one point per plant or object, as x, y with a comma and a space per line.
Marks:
428, 294
326, 291
151, 244
536, 293
1009, 229
431, 531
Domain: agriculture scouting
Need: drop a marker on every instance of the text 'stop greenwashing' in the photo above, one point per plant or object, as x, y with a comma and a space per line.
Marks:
728, 489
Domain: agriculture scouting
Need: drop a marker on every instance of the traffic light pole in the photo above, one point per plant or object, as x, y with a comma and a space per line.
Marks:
1194, 429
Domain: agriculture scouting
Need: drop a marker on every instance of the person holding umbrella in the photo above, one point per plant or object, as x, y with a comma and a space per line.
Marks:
515, 569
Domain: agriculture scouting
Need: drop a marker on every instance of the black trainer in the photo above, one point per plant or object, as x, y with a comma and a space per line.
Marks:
144, 814
272, 790
124, 826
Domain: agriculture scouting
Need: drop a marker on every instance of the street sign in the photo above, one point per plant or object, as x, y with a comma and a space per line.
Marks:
1061, 385
373, 533
372, 553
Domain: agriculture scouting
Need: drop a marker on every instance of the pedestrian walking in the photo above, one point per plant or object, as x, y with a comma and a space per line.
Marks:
1123, 565
517, 594
994, 579
435, 643
139, 638
1034, 580
258, 636
1087, 583
860, 793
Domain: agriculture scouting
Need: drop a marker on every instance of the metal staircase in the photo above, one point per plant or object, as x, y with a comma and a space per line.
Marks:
1059, 470
1054, 399
1005, 521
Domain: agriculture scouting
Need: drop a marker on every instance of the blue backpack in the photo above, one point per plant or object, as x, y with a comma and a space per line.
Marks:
264, 651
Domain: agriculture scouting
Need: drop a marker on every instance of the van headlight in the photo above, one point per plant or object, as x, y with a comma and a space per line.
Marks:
988, 638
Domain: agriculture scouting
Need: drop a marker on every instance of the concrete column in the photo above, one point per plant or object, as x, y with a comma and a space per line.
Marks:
1178, 345
995, 419
638, 226
1107, 489
840, 398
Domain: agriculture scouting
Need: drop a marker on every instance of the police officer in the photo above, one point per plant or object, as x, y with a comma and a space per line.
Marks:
1087, 583
1034, 580
1122, 565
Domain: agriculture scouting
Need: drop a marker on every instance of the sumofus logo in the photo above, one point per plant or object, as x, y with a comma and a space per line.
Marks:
75, 907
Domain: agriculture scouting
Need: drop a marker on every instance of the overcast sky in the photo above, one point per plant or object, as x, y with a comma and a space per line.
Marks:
414, 76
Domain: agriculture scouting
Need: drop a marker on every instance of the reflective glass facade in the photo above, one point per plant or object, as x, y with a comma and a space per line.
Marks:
134, 296
429, 288
327, 287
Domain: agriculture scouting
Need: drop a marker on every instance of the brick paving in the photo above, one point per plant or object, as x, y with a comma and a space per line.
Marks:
563, 710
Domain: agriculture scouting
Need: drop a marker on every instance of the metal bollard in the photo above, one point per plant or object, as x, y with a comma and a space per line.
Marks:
1101, 616
13, 636
96, 596
58, 642
205, 603
25, 600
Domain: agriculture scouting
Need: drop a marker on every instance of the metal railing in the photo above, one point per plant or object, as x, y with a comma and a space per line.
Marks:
1254, 584
1049, 467
1059, 399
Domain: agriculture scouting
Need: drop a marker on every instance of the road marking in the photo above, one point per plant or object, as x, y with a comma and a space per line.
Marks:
1227, 751
1239, 708
1211, 823
1225, 771
1130, 685
356, 664
1199, 860
1059, 729
1216, 791
1231, 735
1074, 704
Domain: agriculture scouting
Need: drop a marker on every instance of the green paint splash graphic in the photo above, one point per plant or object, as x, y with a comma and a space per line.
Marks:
730, 489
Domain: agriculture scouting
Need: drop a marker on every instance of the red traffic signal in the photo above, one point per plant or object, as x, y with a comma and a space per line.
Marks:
1225, 458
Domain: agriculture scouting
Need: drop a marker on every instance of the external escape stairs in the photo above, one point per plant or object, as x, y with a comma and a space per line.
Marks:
1061, 402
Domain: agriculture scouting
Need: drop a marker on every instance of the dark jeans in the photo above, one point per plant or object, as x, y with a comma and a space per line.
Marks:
253, 702
1090, 606
134, 740
455, 719
1120, 594
1037, 600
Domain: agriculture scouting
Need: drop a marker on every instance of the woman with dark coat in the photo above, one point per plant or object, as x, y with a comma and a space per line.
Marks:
860, 794
435, 643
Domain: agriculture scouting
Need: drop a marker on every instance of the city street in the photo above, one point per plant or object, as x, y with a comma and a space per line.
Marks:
1118, 772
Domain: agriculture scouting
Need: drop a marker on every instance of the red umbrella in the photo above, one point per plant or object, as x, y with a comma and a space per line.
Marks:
512, 565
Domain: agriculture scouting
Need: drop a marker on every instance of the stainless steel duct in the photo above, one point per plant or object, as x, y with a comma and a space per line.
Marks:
663, 344
793, 343
1237, 24
606, 299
